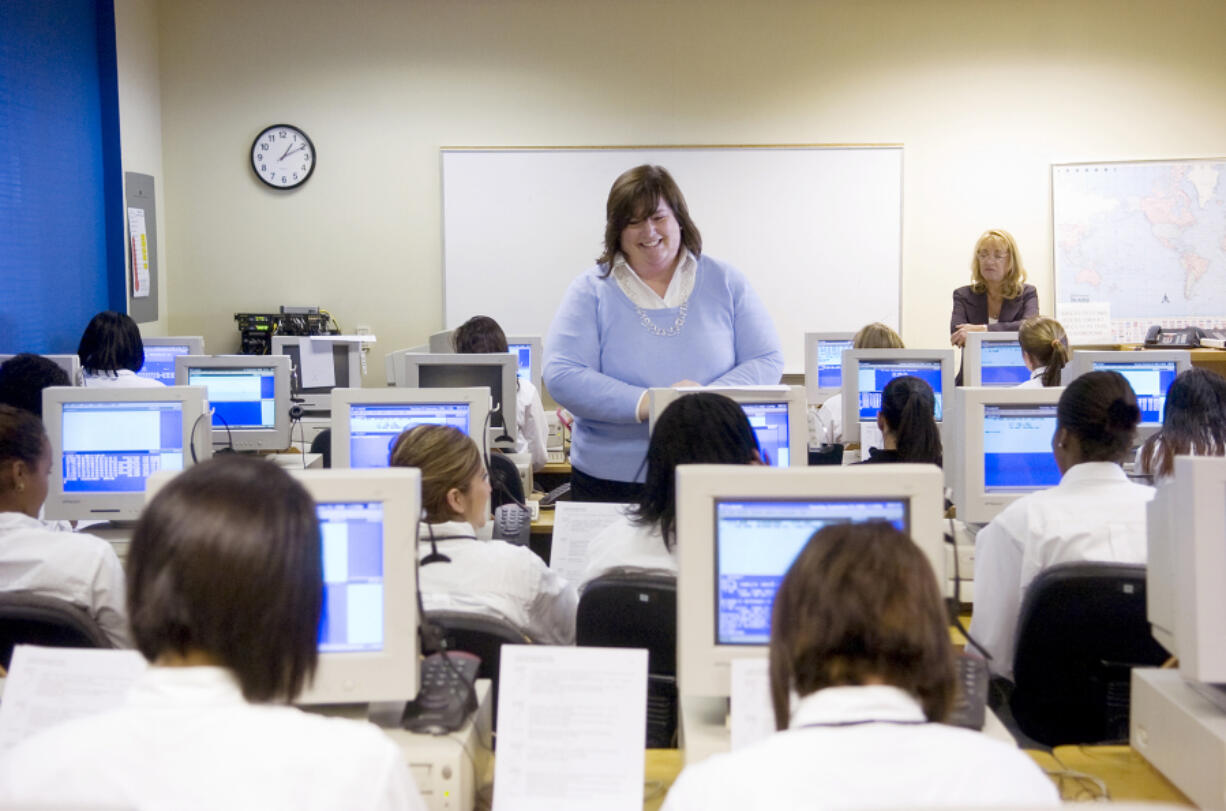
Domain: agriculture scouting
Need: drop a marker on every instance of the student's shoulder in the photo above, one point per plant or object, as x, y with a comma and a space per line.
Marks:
996, 764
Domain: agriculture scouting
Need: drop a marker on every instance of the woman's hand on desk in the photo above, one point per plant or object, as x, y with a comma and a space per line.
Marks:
959, 336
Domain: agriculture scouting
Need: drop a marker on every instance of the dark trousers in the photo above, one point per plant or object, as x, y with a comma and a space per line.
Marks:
590, 488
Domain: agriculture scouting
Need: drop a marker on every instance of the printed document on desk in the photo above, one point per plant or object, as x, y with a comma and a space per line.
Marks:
575, 524
571, 725
753, 717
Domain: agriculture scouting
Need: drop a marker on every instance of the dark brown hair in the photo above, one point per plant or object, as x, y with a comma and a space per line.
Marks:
22, 439
634, 196
446, 457
1044, 340
1100, 409
1193, 422
860, 605
226, 560
908, 407
479, 334
111, 342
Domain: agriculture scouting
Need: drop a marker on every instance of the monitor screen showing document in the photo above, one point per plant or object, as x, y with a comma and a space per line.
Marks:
240, 397
757, 540
113, 447
523, 352
1149, 380
1017, 455
1001, 364
830, 362
160, 361
874, 375
373, 427
351, 540
770, 425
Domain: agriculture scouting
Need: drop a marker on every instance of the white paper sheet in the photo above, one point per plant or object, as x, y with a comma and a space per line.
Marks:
315, 366
753, 718
1085, 322
47, 686
571, 725
575, 524
870, 437
139, 249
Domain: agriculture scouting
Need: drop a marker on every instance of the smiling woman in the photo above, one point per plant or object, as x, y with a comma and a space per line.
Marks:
654, 311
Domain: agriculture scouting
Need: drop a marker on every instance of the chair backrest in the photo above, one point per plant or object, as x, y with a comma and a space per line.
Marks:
631, 611
505, 485
1081, 630
478, 634
322, 444
33, 619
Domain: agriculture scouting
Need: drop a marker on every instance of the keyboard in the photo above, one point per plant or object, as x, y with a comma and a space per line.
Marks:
446, 697
971, 695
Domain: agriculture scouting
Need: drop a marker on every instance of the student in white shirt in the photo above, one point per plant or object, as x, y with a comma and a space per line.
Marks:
1193, 423
225, 588
827, 426
482, 334
861, 674
112, 352
1044, 351
460, 572
695, 429
1094, 514
38, 558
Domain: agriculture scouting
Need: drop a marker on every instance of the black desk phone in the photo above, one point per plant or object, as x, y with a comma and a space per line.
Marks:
1185, 338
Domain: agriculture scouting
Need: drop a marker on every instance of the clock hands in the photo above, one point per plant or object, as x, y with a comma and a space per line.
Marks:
291, 150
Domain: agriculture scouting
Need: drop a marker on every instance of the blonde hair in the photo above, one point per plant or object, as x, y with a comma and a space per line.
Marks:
1016, 280
876, 336
447, 459
1044, 340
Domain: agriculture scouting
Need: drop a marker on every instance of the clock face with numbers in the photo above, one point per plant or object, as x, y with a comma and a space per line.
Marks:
283, 156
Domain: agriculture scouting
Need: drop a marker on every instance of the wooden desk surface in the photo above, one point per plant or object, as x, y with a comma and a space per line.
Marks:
1128, 777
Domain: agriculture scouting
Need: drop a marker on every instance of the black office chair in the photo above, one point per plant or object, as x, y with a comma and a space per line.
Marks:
32, 619
481, 635
638, 611
1081, 630
322, 444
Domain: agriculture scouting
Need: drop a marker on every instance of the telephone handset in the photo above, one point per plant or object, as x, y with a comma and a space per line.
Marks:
1187, 337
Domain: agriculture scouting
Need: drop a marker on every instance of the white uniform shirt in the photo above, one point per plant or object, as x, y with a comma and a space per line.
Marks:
186, 739
830, 420
1095, 513
863, 747
71, 566
626, 547
496, 579
530, 424
1035, 381
119, 379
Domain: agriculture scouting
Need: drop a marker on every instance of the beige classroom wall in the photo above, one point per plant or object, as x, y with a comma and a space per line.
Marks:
984, 96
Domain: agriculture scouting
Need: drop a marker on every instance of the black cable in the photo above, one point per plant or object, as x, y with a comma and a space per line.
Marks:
952, 540
226, 425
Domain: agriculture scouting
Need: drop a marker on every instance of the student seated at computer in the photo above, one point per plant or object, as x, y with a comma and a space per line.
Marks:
460, 572
1193, 424
1044, 351
695, 429
225, 588
482, 334
112, 352
23, 378
861, 674
34, 557
827, 425
1093, 514
907, 423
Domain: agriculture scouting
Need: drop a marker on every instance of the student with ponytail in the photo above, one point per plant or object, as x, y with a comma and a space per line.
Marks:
908, 424
1095, 513
1044, 351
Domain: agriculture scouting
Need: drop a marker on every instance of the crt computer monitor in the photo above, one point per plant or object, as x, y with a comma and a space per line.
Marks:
105, 443
739, 527
366, 422
160, 354
393, 363
867, 371
530, 352
824, 363
71, 364
496, 371
993, 359
339, 365
1149, 372
777, 415
440, 342
249, 395
1002, 448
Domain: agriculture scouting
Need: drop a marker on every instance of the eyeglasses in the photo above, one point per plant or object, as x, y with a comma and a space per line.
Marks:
1000, 256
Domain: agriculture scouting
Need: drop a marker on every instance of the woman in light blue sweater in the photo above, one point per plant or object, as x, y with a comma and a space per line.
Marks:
654, 311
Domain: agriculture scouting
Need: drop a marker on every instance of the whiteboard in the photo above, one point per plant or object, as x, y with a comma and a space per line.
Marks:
816, 230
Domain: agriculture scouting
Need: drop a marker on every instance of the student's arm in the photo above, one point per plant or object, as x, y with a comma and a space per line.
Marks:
552, 612
759, 358
108, 605
998, 591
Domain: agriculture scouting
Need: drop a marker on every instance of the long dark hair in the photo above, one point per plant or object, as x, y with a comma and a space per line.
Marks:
1100, 409
909, 407
111, 342
695, 429
1193, 422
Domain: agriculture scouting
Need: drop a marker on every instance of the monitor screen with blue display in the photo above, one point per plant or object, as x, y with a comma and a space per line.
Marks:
770, 425
524, 353
830, 362
241, 397
1017, 455
113, 447
160, 361
1001, 364
1149, 380
373, 427
755, 544
351, 541
874, 375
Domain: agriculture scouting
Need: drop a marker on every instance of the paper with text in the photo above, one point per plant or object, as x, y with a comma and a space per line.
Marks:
753, 718
571, 726
138, 245
315, 367
575, 525
48, 686
1085, 322
870, 437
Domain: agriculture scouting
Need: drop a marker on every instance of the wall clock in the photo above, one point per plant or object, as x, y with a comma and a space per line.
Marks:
282, 156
